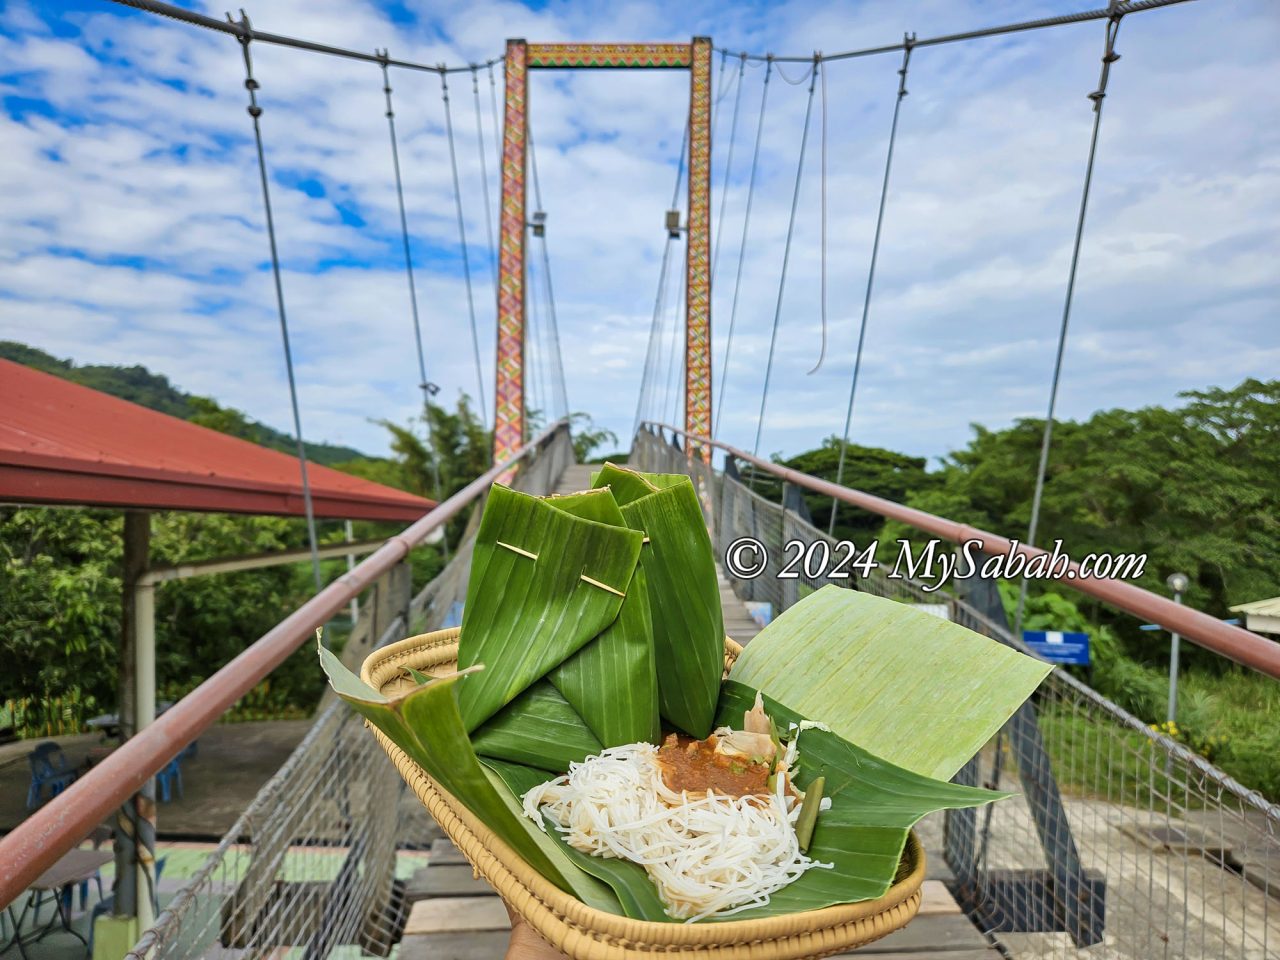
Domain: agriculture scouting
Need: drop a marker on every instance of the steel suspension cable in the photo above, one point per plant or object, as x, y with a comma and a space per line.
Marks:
556, 358
871, 271
650, 356
484, 186
653, 353
497, 126
533, 349
675, 319
679, 318
462, 240
728, 169
742, 251
423, 384
1109, 57
1101, 13
242, 30
786, 256
255, 112
822, 231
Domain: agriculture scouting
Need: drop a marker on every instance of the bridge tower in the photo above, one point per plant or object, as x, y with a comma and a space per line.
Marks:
695, 56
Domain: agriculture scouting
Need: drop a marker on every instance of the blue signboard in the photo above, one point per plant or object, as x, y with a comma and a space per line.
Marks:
1058, 647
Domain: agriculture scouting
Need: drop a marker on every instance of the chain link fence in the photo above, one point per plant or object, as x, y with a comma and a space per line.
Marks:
1121, 842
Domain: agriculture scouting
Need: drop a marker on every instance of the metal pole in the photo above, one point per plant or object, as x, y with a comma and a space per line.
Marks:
351, 565
144, 706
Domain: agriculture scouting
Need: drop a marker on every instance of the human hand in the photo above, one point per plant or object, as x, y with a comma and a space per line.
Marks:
525, 943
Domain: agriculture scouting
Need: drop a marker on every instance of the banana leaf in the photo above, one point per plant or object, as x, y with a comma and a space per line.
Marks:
919, 691
684, 602
590, 890
635, 895
612, 681
426, 724
873, 805
538, 728
528, 607
627, 485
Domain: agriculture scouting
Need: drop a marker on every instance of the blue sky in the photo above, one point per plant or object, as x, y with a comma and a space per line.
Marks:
133, 232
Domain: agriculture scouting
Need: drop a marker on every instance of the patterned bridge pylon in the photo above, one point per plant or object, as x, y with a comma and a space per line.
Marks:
509, 424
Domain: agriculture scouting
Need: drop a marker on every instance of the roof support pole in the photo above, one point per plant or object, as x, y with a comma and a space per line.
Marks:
135, 697
144, 714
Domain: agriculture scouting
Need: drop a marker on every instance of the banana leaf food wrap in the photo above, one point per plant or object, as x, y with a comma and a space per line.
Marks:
593, 622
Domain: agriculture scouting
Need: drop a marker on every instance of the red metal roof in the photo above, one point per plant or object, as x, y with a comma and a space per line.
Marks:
61, 443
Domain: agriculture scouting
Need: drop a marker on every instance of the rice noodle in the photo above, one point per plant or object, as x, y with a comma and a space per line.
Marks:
707, 855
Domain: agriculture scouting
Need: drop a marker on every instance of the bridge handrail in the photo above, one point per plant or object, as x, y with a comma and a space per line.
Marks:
37, 843
1232, 642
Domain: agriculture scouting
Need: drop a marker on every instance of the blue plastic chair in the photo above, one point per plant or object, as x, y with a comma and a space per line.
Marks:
49, 768
171, 774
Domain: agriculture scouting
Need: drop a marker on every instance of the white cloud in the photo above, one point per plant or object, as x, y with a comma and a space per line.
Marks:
133, 216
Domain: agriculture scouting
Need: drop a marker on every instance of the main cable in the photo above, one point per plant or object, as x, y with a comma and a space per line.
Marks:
871, 271
462, 239
742, 252
243, 31
255, 112
1101, 13
786, 256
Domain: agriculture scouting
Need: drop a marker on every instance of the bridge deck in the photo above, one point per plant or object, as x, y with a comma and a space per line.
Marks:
455, 916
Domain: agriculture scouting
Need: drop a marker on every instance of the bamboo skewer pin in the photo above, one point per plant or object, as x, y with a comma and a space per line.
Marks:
523, 553
602, 586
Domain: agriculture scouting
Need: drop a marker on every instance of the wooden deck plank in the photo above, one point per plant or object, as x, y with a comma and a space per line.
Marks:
488, 945
445, 880
440, 915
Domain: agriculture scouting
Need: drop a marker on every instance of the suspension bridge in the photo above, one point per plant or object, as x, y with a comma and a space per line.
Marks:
1166, 855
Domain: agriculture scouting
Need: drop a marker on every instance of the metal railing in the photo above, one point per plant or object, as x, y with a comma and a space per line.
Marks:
1121, 843
67, 819
312, 863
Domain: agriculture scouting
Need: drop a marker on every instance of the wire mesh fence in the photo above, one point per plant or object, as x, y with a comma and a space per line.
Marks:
310, 866
1120, 843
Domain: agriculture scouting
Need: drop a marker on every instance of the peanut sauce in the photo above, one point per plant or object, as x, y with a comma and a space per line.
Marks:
693, 766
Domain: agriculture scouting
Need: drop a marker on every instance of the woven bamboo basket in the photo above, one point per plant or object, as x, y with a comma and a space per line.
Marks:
584, 933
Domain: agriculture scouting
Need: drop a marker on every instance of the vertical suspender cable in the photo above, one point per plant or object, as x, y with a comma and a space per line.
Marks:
742, 251
679, 318
652, 363
423, 383
255, 112
651, 352
786, 256
728, 169
1109, 57
497, 125
822, 245
661, 405
553, 326
484, 186
908, 43
462, 240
